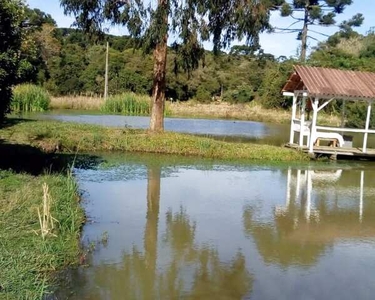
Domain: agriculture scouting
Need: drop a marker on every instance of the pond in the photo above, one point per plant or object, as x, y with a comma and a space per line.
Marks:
171, 228
228, 130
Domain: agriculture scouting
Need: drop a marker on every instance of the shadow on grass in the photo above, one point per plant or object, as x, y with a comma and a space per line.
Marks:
27, 159
12, 121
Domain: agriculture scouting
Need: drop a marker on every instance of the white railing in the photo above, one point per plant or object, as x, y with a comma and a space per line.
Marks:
336, 129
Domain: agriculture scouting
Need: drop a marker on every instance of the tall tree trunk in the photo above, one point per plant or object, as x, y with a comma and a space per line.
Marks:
304, 33
159, 84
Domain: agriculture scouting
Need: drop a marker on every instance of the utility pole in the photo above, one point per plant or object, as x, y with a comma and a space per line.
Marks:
106, 73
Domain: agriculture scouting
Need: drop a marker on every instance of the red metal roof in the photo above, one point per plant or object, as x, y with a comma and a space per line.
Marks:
332, 83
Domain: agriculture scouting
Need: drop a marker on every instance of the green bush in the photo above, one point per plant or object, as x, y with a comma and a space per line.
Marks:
29, 97
203, 95
243, 95
128, 104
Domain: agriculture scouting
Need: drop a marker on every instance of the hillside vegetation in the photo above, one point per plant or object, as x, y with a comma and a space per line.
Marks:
67, 62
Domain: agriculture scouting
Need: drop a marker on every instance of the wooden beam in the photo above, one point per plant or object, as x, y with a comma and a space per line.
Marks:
325, 104
337, 129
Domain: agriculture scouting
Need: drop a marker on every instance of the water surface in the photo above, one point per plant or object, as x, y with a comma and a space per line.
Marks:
231, 130
206, 231
228, 130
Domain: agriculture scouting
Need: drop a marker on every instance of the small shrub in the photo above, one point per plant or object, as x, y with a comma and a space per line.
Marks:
29, 97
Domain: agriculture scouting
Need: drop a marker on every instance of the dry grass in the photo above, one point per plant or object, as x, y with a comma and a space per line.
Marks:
77, 102
225, 110
252, 112
46, 220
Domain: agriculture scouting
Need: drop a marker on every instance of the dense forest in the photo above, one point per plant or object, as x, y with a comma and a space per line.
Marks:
66, 61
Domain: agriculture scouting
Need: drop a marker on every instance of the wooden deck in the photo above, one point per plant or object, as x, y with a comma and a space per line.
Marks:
338, 152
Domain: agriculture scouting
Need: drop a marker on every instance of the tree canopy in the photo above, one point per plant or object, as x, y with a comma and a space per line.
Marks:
11, 17
187, 22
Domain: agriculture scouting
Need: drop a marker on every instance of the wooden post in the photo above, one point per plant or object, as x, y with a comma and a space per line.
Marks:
302, 122
106, 73
315, 107
294, 111
367, 126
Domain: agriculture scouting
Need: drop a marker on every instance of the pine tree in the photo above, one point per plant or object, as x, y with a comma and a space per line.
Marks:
314, 12
188, 22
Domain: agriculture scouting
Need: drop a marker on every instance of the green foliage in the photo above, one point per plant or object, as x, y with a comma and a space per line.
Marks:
244, 94
11, 16
357, 114
275, 77
203, 95
29, 97
128, 104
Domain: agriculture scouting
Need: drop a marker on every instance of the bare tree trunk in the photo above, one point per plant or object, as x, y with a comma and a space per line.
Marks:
304, 33
159, 85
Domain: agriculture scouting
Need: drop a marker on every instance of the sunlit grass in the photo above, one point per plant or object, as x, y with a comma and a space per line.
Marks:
30, 98
128, 104
73, 137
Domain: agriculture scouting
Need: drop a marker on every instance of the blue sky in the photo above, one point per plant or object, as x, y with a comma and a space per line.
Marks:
277, 44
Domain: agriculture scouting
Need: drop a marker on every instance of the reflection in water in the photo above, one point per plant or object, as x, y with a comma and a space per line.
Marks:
192, 271
223, 233
312, 219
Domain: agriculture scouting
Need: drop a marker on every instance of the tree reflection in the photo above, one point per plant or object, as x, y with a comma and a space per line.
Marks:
184, 270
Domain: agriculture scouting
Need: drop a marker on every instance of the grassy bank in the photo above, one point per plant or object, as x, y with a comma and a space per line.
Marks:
192, 109
28, 262
70, 137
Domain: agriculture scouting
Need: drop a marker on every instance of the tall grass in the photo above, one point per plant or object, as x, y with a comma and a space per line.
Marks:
27, 261
128, 104
29, 97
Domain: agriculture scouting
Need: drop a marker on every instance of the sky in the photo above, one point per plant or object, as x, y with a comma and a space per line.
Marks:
276, 44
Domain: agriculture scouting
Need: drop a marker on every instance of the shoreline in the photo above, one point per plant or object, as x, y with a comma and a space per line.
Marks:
192, 109
55, 136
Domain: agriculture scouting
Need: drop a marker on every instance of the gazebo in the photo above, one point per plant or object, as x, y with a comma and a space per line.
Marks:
316, 88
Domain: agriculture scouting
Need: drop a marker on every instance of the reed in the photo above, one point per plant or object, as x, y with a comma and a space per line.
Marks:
46, 221
128, 104
30, 98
